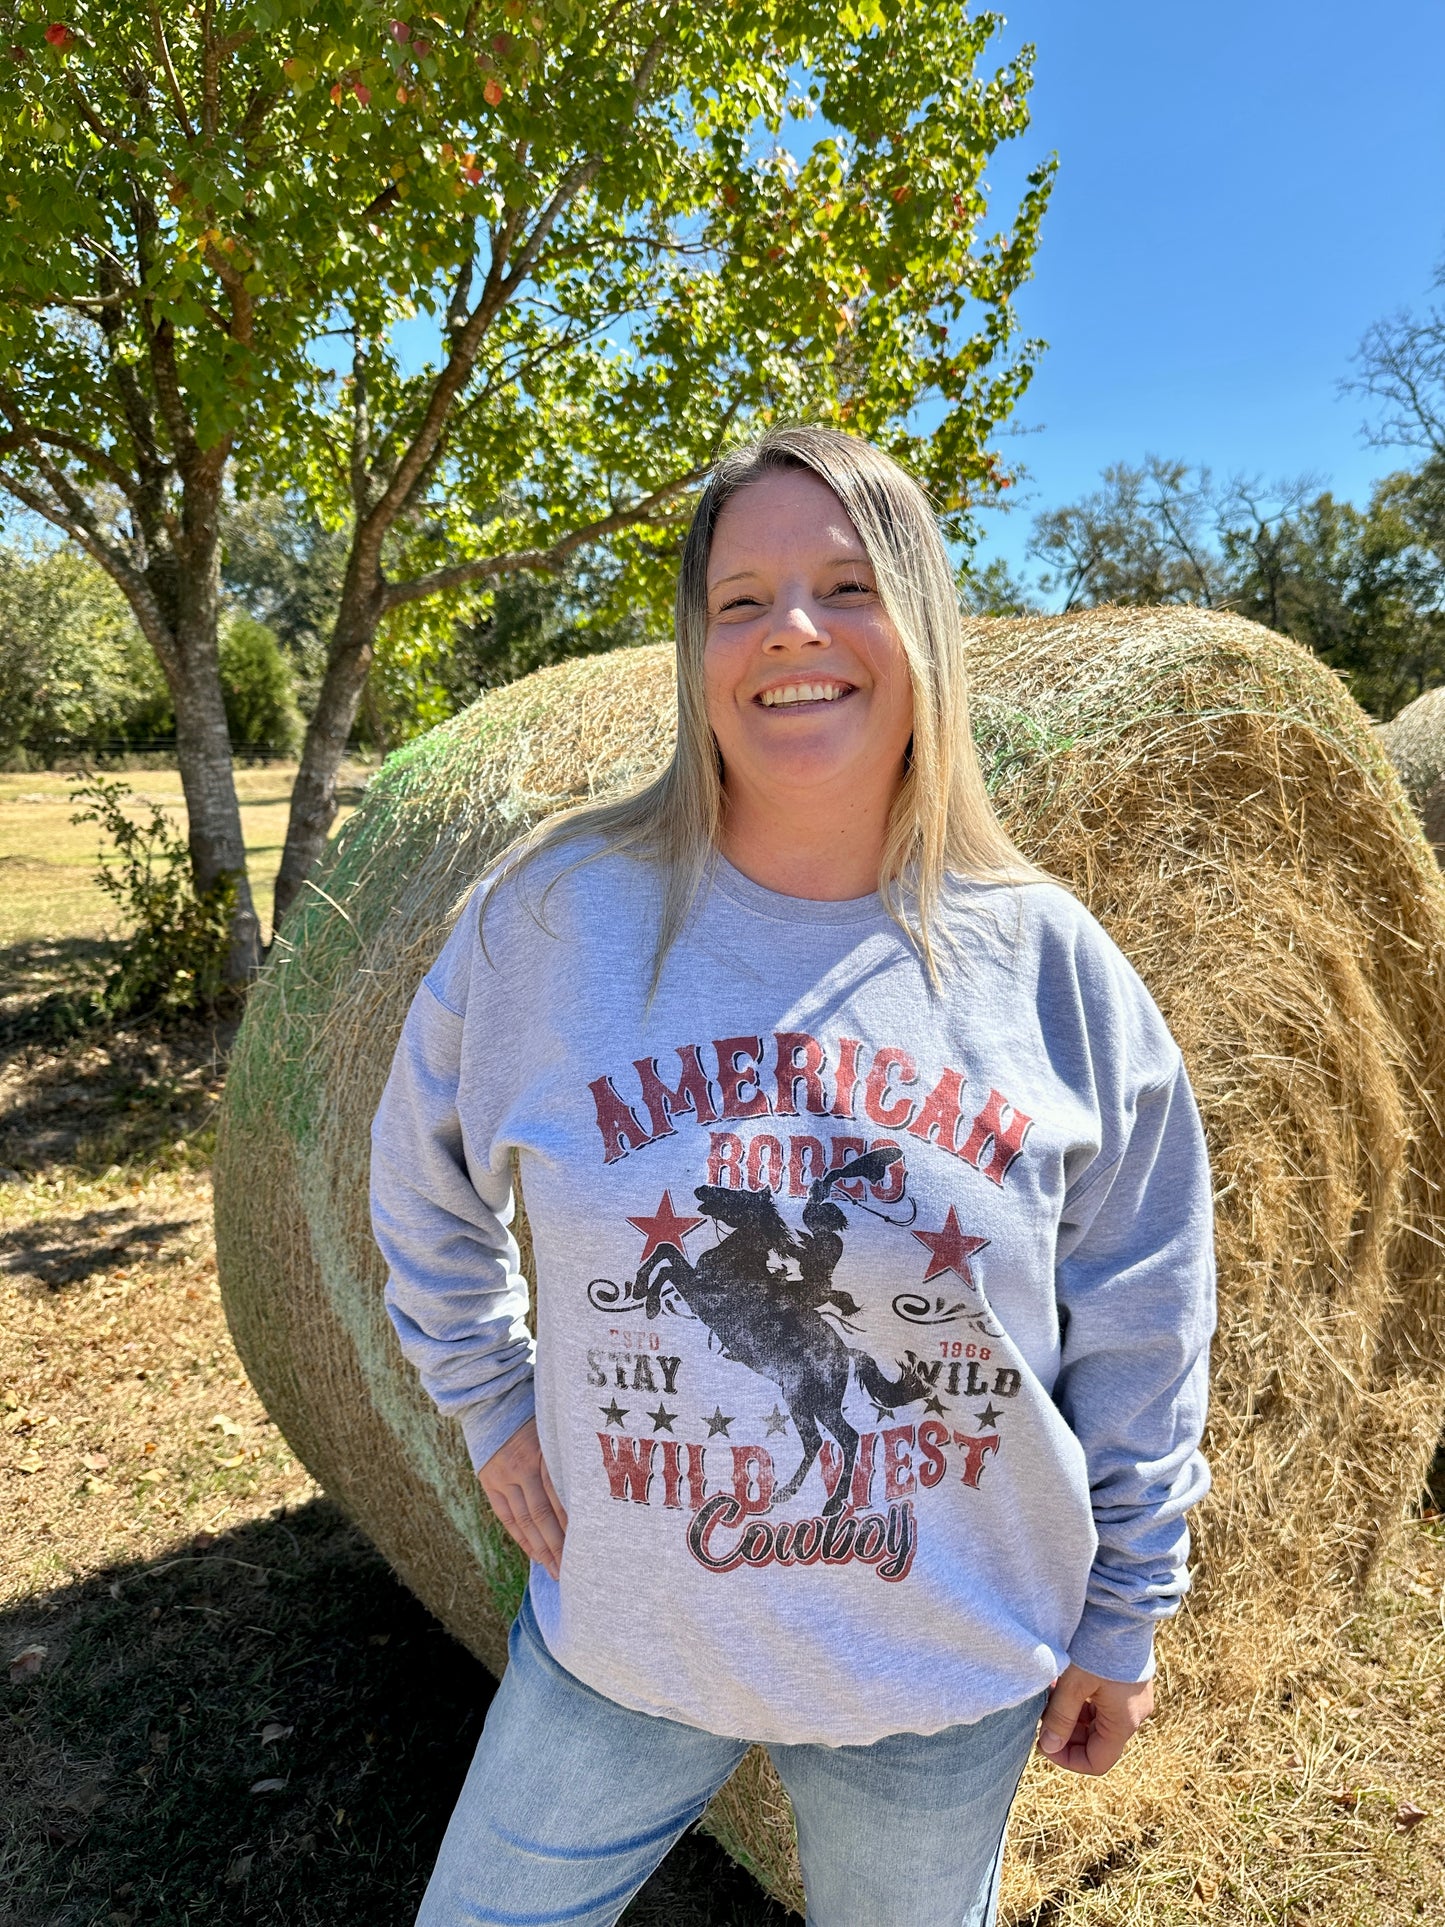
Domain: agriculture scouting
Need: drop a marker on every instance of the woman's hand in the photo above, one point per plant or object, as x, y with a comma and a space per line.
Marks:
519, 1490
1089, 1721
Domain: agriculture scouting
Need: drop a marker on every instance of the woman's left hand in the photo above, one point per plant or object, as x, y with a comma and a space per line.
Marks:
1089, 1721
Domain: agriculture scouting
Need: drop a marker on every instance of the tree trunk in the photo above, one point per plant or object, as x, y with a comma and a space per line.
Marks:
203, 740
203, 751
313, 800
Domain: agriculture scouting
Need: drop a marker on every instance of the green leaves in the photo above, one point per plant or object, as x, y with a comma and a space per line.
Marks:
475, 279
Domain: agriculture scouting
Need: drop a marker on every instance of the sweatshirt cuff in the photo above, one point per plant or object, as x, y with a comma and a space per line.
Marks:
486, 1428
1114, 1645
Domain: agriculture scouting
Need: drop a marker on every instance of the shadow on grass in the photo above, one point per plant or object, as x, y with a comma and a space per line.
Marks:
38, 968
66, 1250
117, 1095
263, 1727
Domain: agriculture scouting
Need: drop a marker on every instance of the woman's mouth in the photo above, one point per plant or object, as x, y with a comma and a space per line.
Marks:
792, 695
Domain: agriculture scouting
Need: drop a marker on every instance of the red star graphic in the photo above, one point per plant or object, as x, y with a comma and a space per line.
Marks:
664, 1227
951, 1249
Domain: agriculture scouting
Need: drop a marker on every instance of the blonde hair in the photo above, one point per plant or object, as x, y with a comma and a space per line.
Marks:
941, 823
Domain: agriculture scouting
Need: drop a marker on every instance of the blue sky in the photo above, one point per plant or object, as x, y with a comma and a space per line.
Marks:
1243, 187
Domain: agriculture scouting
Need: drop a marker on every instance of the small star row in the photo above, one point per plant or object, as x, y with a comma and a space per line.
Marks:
717, 1425
776, 1420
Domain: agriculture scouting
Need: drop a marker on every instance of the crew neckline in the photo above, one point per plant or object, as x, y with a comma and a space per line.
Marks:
772, 904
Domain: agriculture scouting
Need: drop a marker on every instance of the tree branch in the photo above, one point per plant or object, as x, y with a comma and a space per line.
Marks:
95, 458
163, 54
501, 284
210, 74
88, 537
168, 387
242, 325
111, 136
360, 454
150, 464
380, 204
258, 107
89, 305
74, 504
545, 561
111, 265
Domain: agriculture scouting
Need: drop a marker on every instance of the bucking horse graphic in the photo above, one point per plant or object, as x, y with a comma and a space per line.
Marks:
772, 1322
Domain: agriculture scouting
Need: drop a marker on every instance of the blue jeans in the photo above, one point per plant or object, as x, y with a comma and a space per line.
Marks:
572, 1801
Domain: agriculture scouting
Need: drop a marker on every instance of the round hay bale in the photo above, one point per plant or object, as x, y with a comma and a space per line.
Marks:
1415, 743
1217, 799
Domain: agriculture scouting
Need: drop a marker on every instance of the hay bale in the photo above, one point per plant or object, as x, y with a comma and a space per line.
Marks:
1414, 741
1221, 804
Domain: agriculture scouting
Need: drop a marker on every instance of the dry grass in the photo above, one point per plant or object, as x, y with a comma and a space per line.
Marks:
115, 1311
47, 863
210, 1624
1291, 1797
1415, 743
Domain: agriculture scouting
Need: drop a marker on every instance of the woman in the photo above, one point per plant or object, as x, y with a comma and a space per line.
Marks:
873, 1244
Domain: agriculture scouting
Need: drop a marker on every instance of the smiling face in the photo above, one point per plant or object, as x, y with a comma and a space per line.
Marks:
807, 684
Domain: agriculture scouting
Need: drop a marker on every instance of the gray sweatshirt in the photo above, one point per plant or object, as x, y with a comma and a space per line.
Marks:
872, 1322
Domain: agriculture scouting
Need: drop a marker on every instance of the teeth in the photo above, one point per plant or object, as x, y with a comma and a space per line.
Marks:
802, 692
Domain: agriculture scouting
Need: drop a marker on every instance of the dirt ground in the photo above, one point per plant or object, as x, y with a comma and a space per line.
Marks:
219, 1706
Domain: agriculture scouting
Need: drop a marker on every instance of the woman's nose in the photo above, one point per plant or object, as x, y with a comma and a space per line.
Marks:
795, 624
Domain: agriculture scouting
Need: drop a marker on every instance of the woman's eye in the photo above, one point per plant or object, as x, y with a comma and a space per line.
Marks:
853, 588
739, 602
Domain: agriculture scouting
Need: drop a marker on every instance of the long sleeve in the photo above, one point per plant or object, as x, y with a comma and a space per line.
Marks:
1135, 1286
440, 1210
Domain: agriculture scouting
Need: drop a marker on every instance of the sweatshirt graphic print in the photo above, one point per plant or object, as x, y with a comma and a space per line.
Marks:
871, 1322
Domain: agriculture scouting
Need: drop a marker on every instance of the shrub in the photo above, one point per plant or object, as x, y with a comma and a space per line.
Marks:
173, 960
258, 686
74, 668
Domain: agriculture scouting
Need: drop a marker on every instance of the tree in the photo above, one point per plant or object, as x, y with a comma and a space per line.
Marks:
995, 590
600, 324
430, 660
257, 686
281, 567
1143, 537
609, 214
1364, 589
70, 657
159, 272
1401, 363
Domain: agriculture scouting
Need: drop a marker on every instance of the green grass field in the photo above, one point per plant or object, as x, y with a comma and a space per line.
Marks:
48, 863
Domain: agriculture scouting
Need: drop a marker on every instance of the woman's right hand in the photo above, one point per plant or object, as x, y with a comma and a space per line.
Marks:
519, 1490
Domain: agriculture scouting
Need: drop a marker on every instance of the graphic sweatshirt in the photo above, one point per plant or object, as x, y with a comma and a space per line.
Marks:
872, 1320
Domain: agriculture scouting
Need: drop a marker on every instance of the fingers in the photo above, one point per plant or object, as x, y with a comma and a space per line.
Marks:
1089, 1721
526, 1514
1108, 1735
547, 1527
1062, 1721
520, 1492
